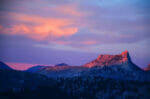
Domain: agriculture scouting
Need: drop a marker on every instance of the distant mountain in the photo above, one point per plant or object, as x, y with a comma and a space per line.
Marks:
3, 66
35, 68
40, 67
109, 66
62, 64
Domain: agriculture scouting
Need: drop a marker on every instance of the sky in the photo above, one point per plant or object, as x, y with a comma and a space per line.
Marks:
73, 31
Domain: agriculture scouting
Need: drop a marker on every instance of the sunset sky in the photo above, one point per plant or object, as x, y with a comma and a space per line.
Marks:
73, 31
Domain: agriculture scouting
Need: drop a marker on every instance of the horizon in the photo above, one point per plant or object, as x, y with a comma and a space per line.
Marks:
73, 32
26, 66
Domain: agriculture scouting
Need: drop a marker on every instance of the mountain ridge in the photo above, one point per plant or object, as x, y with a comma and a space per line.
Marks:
3, 66
62, 64
108, 60
110, 66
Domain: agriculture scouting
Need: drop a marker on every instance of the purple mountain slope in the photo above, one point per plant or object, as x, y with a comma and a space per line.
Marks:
35, 68
62, 64
3, 66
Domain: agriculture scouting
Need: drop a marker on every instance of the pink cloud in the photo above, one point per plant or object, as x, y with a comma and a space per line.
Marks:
69, 10
22, 66
89, 42
40, 28
81, 43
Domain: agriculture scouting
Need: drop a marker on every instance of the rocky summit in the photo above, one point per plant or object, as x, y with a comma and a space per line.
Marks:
109, 60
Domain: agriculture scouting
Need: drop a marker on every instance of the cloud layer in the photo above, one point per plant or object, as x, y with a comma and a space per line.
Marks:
39, 28
117, 20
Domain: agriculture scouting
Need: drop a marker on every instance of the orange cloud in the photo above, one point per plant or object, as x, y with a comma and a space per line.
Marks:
86, 42
20, 29
40, 28
89, 42
68, 10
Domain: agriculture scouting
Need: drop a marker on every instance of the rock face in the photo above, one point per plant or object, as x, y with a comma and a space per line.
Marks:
3, 66
109, 60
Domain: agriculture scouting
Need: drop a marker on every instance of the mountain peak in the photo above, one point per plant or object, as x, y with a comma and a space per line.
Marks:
125, 55
61, 64
108, 60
